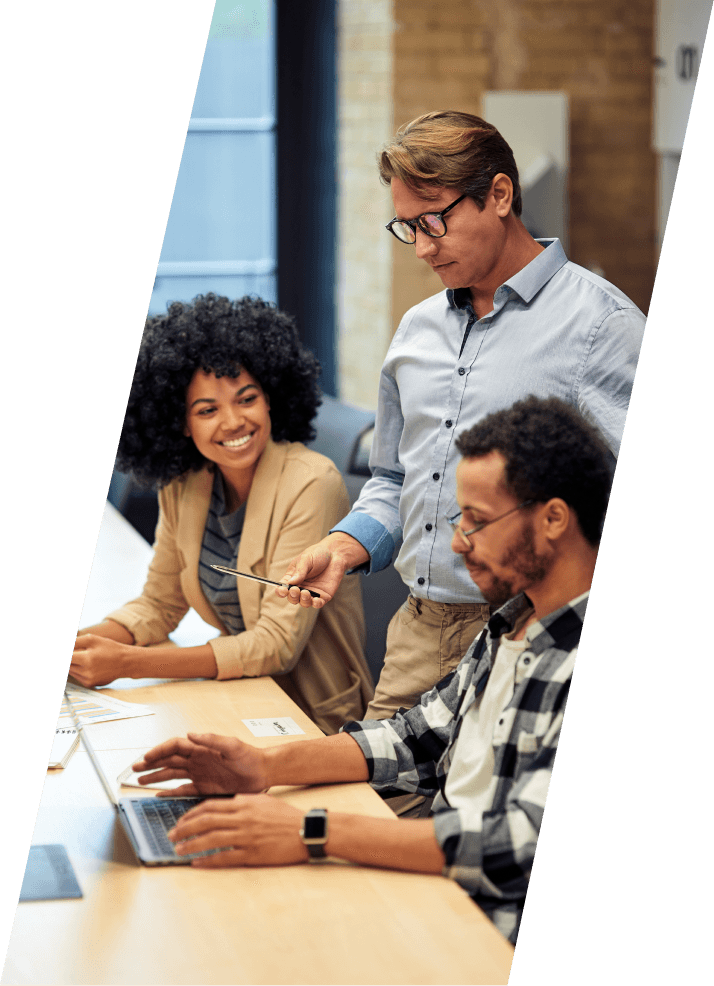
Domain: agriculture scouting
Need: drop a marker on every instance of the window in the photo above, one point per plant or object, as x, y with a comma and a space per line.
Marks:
221, 231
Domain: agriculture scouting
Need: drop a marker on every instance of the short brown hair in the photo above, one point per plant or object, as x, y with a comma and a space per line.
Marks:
449, 149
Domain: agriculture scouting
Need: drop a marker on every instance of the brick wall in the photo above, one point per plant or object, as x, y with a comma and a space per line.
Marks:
599, 52
364, 258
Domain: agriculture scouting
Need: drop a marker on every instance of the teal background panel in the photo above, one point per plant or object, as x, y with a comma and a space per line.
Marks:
97, 99
620, 891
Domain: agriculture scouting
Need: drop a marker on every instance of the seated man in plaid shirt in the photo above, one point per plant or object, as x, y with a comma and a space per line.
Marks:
532, 489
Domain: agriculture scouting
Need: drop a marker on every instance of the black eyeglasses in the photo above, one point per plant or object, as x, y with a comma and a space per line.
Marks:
455, 522
431, 223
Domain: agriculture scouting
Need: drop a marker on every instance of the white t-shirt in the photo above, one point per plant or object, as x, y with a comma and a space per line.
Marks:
470, 780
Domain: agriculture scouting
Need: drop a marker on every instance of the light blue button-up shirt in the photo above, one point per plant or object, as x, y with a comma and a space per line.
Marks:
555, 329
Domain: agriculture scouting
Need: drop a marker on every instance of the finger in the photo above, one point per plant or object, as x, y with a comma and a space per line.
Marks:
176, 760
166, 774
183, 791
213, 838
176, 745
205, 821
227, 745
229, 857
213, 808
308, 601
293, 595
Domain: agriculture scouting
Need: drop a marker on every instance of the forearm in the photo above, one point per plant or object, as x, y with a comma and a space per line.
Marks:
397, 844
111, 630
328, 760
164, 661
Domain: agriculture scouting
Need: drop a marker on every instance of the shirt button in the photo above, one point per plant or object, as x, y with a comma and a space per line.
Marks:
428, 527
448, 423
461, 371
526, 660
500, 722
436, 476
421, 581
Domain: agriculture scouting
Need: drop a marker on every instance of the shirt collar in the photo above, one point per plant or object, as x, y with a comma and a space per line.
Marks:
560, 629
526, 282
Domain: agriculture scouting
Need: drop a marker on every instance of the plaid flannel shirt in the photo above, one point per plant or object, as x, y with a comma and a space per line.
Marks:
489, 853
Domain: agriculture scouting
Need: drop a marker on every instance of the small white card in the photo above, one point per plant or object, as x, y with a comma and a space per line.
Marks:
281, 726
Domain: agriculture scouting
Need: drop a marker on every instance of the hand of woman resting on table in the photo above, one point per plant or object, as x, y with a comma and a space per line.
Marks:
212, 764
97, 660
254, 830
107, 651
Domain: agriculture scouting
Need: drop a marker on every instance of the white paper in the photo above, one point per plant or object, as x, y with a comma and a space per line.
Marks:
281, 726
94, 706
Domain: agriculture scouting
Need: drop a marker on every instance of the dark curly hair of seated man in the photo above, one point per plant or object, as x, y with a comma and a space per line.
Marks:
550, 451
219, 336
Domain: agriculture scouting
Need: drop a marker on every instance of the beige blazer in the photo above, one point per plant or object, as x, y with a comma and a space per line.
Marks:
316, 656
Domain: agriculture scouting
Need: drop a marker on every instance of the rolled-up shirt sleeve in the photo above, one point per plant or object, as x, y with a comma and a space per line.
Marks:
377, 539
404, 753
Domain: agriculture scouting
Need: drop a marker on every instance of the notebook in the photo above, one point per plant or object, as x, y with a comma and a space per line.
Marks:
63, 746
147, 820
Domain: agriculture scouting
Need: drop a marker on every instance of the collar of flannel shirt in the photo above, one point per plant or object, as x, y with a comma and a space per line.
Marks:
560, 629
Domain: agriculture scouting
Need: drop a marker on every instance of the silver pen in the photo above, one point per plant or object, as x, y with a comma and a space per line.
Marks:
257, 578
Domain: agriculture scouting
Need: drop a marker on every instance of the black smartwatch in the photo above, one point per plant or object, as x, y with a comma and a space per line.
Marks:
314, 832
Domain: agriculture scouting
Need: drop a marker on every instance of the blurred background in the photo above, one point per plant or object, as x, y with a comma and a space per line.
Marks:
278, 192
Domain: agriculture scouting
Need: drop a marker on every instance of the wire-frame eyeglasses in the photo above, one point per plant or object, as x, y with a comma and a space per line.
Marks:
455, 522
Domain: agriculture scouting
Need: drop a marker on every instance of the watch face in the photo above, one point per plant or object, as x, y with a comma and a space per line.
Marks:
314, 827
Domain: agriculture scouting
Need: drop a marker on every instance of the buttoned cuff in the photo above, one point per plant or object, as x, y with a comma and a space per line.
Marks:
373, 536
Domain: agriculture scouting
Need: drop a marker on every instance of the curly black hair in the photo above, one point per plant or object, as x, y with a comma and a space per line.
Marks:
219, 336
550, 451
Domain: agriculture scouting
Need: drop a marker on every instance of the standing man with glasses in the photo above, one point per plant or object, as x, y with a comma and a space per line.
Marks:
517, 318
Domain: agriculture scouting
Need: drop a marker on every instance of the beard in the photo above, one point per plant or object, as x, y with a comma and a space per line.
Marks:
526, 565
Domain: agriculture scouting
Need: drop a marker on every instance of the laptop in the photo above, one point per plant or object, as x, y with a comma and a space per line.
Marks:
146, 821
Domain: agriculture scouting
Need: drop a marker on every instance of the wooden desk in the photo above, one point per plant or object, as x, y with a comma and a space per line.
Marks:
327, 923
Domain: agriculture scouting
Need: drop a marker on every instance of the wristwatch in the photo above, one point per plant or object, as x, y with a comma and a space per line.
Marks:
314, 832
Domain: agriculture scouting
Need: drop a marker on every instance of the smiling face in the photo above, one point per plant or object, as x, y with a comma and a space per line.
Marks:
504, 558
228, 419
471, 254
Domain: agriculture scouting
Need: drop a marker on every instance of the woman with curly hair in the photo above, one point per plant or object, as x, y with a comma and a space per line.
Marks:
222, 399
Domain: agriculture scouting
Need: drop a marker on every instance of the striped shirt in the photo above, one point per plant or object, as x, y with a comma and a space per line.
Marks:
221, 538
489, 849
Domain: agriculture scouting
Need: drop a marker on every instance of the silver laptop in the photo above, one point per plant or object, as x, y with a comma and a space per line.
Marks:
146, 821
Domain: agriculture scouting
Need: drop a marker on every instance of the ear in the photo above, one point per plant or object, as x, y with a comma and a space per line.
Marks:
554, 519
502, 192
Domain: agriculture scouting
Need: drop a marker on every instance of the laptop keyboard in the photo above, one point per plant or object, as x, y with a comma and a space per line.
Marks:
158, 816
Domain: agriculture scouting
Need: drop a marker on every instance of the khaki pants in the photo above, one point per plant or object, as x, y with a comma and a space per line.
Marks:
425, 641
